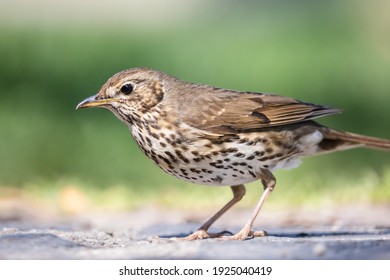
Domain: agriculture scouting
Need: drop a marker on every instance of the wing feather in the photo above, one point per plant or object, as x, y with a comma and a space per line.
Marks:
224, 112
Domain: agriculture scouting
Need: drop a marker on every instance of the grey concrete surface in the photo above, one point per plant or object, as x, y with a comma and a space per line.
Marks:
349, 232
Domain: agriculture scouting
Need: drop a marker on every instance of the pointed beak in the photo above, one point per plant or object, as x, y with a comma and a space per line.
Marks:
92, 101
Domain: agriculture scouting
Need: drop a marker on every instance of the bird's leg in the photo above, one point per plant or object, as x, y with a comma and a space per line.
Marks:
201, 233
268, 180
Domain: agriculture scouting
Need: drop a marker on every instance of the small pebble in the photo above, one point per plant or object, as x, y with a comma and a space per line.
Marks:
319, 249
10, 230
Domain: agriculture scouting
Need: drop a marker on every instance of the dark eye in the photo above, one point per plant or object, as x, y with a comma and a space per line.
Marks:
127, 89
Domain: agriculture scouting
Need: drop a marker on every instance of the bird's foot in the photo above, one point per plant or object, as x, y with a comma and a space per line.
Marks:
202, 234
244, 234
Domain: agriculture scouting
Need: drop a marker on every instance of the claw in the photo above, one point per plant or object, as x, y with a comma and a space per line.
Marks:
202, 234
223, 235
259, 233
244, 235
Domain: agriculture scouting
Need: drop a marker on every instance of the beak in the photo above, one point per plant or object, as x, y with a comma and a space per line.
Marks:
93, 102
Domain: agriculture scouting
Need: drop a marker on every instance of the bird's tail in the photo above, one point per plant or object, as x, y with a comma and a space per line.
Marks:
339, 140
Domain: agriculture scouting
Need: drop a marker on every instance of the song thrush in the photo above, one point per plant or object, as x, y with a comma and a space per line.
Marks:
220, 137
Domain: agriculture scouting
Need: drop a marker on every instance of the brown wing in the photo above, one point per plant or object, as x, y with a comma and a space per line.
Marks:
225, 112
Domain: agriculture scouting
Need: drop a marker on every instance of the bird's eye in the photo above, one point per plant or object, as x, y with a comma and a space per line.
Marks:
127, 89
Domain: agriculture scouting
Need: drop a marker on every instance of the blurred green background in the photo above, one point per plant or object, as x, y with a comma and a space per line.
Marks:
53, 54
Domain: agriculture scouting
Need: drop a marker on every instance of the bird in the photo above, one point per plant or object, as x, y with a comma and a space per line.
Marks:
220, 137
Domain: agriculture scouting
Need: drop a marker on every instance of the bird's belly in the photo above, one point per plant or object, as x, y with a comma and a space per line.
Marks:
227, 170
215, 164
235, 172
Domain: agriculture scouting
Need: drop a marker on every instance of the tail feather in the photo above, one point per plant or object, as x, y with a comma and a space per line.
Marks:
340, 140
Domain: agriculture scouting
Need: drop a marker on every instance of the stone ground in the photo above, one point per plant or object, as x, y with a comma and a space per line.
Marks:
348, 232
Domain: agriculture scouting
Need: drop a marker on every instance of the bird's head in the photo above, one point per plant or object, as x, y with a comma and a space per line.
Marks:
129, 93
